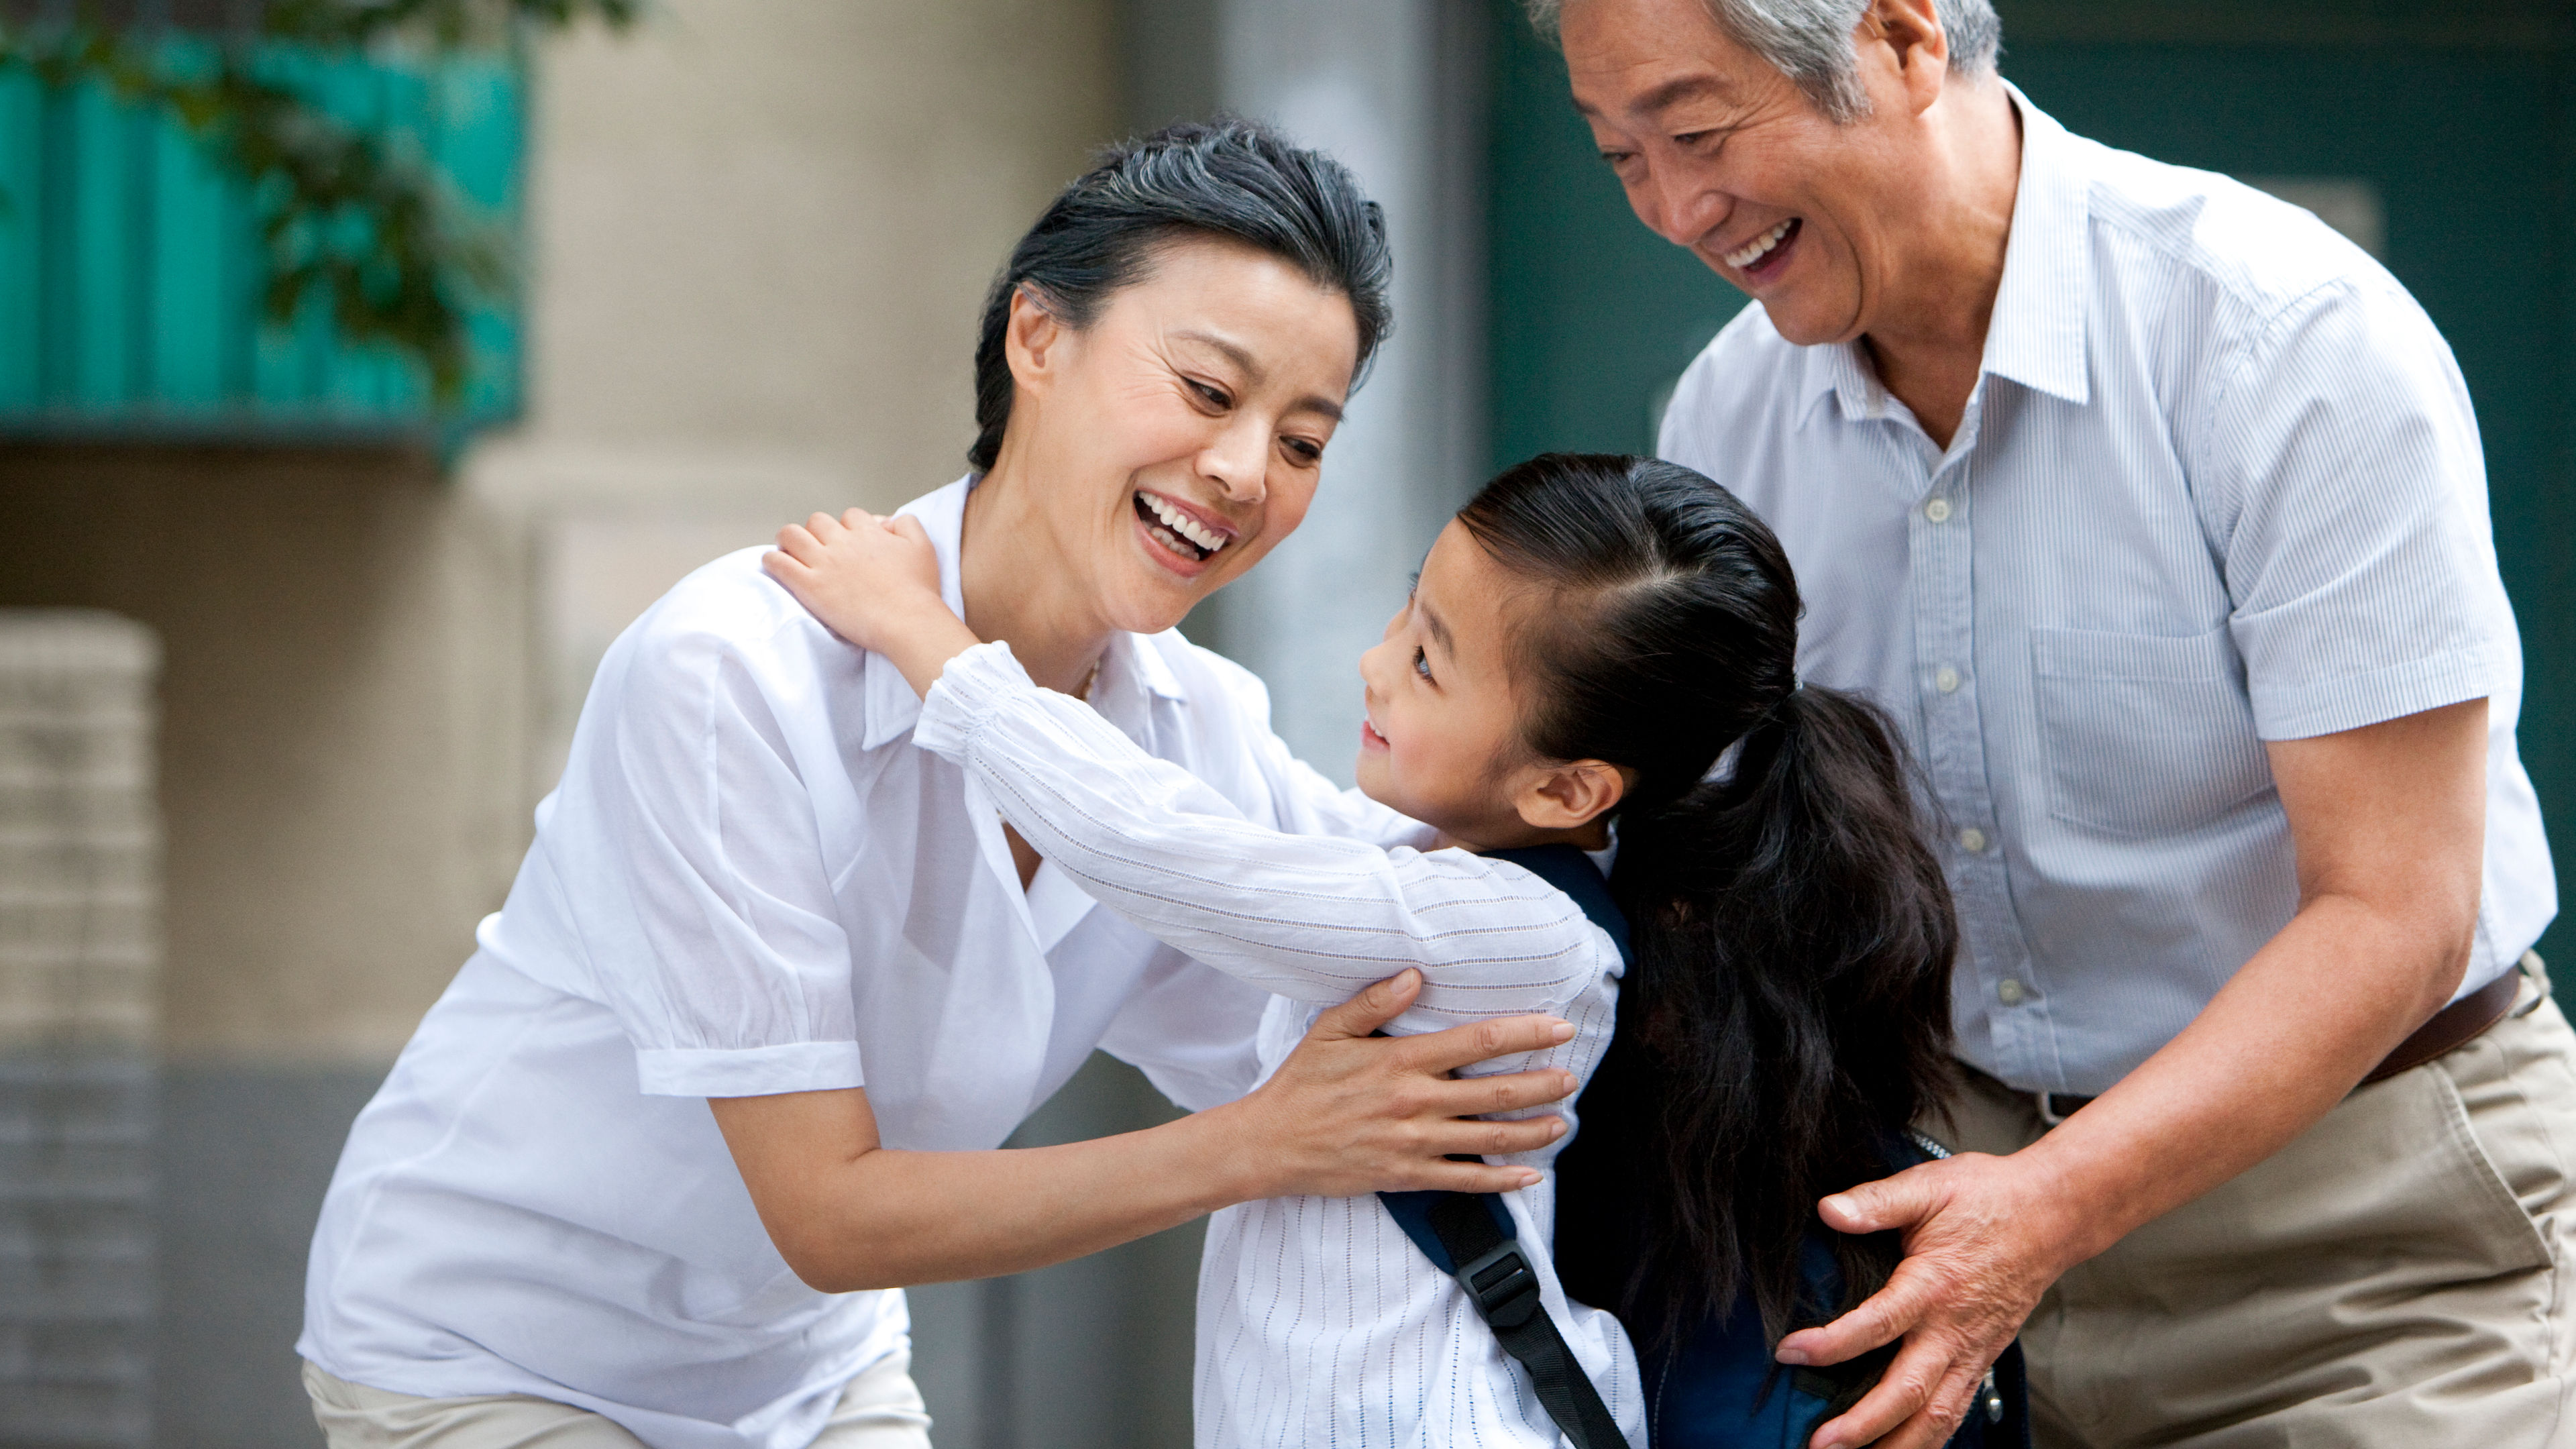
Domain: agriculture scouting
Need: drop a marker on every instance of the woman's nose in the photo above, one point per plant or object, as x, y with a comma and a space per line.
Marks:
1236, 463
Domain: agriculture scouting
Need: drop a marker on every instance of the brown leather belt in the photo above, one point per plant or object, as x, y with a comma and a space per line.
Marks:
2455, 1025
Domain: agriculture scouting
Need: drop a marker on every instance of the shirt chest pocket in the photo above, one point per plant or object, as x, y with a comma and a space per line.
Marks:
2144, 734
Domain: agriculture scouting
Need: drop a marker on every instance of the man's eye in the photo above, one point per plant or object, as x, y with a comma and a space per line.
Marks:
1421, 662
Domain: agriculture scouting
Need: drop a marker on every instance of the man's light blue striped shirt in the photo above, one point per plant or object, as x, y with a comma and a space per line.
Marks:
2219, 483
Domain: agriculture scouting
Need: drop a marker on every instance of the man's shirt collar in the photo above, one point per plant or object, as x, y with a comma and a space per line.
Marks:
2036, 334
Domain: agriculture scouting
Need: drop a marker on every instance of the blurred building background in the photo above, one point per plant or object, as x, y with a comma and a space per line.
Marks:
755, 237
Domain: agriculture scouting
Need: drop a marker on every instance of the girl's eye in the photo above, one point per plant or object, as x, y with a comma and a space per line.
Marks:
1421, 662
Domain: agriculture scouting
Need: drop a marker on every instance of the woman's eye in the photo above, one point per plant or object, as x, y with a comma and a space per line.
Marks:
1302, 450
1421, 662
1211, 396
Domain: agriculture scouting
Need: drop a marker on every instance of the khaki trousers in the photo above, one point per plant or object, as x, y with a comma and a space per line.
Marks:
879, 1410
2398, 1277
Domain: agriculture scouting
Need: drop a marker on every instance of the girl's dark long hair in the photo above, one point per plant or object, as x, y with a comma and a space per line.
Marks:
1793, 934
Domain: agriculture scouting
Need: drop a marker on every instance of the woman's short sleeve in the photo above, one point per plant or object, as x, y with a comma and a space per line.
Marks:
714, 938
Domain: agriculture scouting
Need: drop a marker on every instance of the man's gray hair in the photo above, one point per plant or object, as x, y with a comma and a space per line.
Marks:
1810, 41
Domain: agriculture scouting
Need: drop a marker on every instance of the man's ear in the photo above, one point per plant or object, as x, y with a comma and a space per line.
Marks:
1908, 37
1563, 797
1031, 339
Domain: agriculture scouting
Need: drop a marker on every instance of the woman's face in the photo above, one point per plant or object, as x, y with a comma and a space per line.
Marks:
1178, 438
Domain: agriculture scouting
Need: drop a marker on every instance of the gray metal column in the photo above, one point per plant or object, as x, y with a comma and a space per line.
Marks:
1395, 88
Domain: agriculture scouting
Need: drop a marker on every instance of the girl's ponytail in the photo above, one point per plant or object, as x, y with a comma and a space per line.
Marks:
1788, 1015
1793, 938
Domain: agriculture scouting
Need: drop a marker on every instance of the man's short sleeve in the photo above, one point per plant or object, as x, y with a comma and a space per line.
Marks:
2343, 487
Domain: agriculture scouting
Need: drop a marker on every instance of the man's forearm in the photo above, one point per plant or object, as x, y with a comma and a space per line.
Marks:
2304, 1021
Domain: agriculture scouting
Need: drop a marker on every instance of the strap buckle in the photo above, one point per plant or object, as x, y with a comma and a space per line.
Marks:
1501, 1283
2047, 1104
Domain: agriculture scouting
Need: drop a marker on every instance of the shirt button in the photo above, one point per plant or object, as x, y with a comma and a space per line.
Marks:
1972, 840
2010, 992
1947, 680
1938, 510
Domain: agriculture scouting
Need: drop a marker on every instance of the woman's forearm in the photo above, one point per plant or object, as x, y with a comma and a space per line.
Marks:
1347, 1113
884, 1218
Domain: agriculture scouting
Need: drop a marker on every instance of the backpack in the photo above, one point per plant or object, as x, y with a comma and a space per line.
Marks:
1716, 1386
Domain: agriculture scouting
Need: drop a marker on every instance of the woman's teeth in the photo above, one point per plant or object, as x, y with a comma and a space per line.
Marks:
1183, 534
1760, 247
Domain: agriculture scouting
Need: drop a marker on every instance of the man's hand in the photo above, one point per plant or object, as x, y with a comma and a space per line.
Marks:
2389, 821
875, 582
1984, 1237
1346, 1114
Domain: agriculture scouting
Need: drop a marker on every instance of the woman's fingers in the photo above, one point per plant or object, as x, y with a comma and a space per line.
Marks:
1503, 1092
1442, 1176
1373, 1008
1462, 1046
1475, 1138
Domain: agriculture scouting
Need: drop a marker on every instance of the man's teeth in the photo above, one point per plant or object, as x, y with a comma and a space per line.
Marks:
1758, 248
1207, 539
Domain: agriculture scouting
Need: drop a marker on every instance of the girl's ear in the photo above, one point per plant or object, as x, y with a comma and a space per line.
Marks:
1031, 340
1564, 797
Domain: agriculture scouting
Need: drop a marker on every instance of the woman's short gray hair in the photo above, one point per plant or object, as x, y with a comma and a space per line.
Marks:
1810, 41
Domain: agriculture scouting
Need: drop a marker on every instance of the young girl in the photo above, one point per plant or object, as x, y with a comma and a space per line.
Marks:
1591, 639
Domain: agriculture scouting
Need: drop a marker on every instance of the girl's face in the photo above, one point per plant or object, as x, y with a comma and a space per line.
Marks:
1178, 438
1442, 740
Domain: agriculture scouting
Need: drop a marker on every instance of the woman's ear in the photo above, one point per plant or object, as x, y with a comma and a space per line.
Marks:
1031, 341
1565, 797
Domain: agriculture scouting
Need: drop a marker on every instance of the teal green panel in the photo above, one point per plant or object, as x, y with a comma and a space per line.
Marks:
21, 194
1590, 312
131, 276
102, 258
196, 213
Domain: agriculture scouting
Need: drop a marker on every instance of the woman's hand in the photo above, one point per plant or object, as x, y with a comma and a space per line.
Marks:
1347, 1114
875, 582
1344, 1115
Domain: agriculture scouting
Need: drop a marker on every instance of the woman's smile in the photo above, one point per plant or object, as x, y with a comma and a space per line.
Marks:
1178, 536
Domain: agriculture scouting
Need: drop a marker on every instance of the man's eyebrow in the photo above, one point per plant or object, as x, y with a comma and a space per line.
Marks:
1671, 93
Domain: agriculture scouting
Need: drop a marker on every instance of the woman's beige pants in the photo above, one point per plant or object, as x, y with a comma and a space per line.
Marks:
2399, 1277
879, 1410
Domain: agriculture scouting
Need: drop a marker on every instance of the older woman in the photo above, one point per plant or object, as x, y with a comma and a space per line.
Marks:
751, 889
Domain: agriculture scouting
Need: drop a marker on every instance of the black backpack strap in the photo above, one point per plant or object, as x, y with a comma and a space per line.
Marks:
1471, 1238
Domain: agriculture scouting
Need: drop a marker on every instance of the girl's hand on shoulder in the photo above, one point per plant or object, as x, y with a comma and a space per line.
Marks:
864, 576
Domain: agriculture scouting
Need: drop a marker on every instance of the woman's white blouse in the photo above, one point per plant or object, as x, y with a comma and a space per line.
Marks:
750, 882
1319, 1322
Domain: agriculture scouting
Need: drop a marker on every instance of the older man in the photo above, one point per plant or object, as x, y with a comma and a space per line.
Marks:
2155, 512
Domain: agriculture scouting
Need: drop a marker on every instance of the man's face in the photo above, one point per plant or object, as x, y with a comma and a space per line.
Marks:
1723, 154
